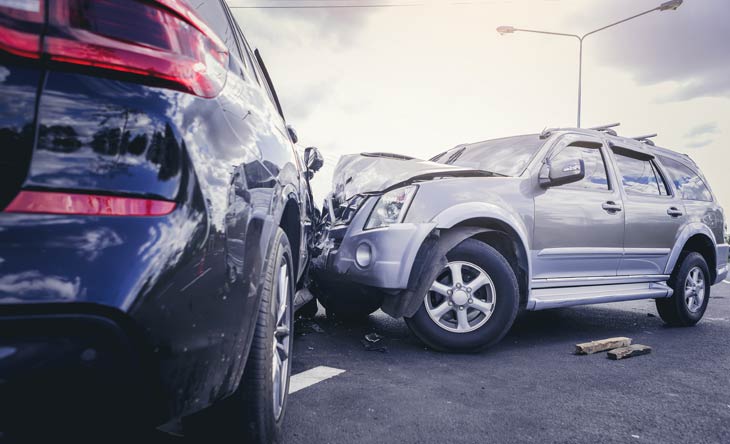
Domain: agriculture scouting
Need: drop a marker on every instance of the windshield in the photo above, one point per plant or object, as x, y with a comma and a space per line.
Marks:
508, 156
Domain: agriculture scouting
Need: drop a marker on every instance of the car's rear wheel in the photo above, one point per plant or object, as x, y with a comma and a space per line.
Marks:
472, 303
690, 282
255, 412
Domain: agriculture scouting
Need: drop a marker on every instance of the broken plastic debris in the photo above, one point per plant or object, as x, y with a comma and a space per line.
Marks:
373, 337
370, 346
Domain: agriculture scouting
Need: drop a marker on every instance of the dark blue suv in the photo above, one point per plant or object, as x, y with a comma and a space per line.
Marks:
155, 220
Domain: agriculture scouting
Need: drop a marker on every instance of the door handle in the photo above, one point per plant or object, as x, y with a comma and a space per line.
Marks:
674, 212
611, 206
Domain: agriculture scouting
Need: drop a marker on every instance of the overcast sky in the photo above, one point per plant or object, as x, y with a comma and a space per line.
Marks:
418, 80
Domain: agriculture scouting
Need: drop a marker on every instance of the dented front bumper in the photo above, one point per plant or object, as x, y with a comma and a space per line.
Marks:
379, 257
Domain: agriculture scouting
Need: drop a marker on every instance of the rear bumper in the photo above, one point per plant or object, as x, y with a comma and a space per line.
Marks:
72, 368
722, 262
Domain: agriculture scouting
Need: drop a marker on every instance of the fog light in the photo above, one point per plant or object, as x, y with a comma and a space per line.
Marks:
363, 255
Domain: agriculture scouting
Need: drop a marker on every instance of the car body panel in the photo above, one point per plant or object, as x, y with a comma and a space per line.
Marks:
191, 280
569, 239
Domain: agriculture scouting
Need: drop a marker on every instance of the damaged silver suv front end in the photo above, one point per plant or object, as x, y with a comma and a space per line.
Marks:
368, 255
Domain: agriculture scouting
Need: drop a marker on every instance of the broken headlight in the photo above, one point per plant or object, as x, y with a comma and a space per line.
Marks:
391, 207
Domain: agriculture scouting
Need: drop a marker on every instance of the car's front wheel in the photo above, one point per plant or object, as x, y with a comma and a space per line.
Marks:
472, 303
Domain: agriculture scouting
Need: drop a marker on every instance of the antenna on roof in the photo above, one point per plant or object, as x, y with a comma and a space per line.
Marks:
646, 138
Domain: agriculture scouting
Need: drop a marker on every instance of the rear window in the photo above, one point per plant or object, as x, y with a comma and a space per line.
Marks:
508, 156
689, 184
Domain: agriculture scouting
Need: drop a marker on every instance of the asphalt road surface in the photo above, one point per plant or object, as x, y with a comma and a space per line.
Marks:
529, 388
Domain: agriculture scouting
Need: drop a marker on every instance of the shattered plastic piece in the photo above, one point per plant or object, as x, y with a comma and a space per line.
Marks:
304, 326
369, 346
373, 337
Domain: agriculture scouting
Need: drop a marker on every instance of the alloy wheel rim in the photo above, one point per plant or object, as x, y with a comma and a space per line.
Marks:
694, 289
462, 298
282, 340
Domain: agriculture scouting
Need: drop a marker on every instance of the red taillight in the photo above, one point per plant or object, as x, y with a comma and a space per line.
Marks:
87, 204
21, 24
161, 40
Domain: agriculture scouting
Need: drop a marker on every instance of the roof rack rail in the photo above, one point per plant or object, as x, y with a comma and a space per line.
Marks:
646, 138
604, 127
546, 132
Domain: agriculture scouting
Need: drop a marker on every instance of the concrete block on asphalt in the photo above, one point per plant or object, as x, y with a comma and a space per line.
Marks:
588, 348
629, 352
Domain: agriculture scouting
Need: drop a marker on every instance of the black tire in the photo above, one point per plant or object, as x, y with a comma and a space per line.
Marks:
248, 415
506, 304
675, 311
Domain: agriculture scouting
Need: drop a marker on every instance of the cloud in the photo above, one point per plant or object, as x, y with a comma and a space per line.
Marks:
284, 26
701, 130
688, 47
700, 144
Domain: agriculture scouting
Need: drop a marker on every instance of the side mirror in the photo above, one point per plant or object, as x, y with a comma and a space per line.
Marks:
292, 134
562, 172
313, 159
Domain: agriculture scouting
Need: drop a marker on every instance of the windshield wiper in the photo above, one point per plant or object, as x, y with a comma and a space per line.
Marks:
388, 155
452, 158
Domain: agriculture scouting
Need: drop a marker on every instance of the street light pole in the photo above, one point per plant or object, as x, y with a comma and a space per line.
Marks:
666, 6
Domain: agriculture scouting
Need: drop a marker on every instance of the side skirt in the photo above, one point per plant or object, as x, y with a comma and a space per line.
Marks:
544, 298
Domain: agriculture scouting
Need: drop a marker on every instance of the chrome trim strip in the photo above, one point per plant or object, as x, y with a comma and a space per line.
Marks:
580, 252
596, 280
644, 252
560, 297
573, 252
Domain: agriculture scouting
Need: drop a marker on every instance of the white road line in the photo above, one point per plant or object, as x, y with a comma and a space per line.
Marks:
727, 282
195, 280
312, 376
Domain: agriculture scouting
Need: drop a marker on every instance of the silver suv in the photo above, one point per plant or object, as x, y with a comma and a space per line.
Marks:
456, 245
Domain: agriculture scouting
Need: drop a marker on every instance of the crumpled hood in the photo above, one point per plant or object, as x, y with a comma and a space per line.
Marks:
378, 172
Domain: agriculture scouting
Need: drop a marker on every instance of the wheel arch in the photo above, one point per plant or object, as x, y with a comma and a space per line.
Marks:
290, 222
504, 231
694, 238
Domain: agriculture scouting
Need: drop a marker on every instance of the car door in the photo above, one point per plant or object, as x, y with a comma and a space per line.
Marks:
653, 212
579, 227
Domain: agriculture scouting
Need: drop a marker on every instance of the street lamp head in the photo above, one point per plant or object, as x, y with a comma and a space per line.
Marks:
505, 30
671, 5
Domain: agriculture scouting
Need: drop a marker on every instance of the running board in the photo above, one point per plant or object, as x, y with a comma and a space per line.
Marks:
544, 298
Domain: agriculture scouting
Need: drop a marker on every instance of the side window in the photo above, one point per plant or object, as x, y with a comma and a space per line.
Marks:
689, 184
245, 49
596, 177
639, 175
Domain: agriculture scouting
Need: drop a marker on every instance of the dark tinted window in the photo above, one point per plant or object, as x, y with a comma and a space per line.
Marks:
212, 12
508, 156
689, 184
596, 177
639, 175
